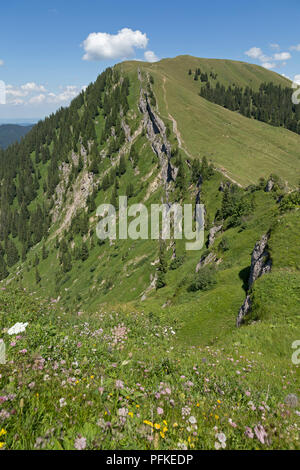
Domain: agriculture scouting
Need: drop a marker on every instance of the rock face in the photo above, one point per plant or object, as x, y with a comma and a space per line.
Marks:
270, 186
212, 234
205, 260
156, 133
260, 261
260, 265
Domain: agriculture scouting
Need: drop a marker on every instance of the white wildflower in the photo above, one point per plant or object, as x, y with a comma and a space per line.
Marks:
17, 328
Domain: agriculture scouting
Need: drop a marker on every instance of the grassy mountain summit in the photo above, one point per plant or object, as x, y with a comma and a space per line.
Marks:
244, 149
143, 130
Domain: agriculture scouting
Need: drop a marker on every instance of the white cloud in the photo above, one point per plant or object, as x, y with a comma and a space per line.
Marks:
297, 79
150, 56
269, 65
67, 94
295, 48
269, 62
32, 94
254, 53
257, 53
14, 91
24, 90
38, 99
282, 56
16, 102
104, 46
31, 86
1, 62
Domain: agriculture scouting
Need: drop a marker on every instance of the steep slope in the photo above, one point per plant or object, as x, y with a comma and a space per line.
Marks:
243, 149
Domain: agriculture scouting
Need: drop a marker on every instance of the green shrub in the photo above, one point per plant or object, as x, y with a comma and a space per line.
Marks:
176, 263
204, 280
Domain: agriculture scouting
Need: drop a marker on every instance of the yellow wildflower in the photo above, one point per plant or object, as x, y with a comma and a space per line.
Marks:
2, 444
157, 426
130, 414
148, 423
3, 432
175, 425
216, 417
162, 435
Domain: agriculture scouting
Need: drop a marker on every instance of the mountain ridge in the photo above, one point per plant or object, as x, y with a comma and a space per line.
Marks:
11, 133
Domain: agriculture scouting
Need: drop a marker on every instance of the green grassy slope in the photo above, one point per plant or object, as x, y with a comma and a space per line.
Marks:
245, 149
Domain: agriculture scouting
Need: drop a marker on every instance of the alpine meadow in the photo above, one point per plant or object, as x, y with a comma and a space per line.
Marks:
136, 342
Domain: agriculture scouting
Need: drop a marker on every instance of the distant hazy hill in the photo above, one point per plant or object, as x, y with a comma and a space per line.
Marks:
10, 133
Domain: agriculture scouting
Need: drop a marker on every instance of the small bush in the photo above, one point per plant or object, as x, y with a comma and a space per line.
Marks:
205, 280
176, 263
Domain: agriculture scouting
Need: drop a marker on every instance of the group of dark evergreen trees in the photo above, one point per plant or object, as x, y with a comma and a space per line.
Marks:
271, 103
203, 76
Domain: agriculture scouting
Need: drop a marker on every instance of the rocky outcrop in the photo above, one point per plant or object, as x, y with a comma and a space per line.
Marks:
126, 130
205, 260
156, 133
270, 186
212, 234
261, 264
260, 261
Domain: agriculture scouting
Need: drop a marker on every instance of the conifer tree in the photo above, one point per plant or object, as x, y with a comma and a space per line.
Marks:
162, 266
37, 276
3, 268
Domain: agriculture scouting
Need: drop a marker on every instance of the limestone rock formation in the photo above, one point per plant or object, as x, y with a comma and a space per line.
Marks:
260, 265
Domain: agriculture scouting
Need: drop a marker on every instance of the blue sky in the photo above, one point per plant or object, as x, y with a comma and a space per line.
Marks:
43, 44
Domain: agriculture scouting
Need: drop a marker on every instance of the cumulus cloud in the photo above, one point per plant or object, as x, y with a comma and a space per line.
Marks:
295, 48
1, 62
24, 90
33, 94
67, 94
104, 46
150, 56
269, 65
297, 79
256, 53
31, 86
38, 99
282, 56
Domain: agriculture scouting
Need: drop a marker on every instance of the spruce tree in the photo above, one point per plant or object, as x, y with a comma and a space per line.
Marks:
162, 266
3, 268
